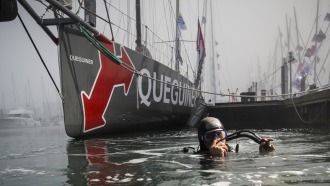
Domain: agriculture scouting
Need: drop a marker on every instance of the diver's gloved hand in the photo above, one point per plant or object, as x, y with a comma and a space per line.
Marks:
218, 148
265, 146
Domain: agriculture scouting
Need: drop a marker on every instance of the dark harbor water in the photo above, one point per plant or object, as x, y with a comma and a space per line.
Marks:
46, 156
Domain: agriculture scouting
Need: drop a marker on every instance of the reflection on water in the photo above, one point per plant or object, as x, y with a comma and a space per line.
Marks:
46, 156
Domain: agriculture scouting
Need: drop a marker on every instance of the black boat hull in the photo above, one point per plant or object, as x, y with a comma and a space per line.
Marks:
100, 96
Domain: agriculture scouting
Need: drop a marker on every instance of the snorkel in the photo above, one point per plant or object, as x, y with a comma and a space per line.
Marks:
211, 124
239, 134
247, 134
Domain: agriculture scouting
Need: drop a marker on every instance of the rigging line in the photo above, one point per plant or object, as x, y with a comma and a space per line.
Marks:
124, 13
35, 47
296, 53
173, 17
318, 115
120, 18
305, 45
167, 27
47, 8
314, 61
279, 60
31, 97
108, 21
193, 15
157, 50
197, 8
323, 64
274, 62
171, 60
106, 8
184, 46
224, 77
170, 9
147, 28
224, 53
295, 50
320, 48
305, 48
268, 66
317, 50
303, 54
79, 7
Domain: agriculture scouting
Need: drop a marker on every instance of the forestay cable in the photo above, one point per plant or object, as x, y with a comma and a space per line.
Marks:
43, 62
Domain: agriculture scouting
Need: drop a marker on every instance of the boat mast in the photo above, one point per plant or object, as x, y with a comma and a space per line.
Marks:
315, 58
288, 27
14, 90
205, 14
138, 26
303, 78
295, 16
177, 42
3, 107
213, 56
128, 22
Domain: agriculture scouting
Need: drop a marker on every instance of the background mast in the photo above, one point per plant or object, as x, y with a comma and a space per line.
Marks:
177, 34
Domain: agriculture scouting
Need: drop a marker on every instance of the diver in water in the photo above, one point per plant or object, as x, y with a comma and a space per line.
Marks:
212, 138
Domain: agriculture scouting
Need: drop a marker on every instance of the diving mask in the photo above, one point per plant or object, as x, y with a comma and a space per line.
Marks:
215, 134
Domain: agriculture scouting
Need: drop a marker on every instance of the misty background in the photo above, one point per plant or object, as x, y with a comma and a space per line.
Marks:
245, 33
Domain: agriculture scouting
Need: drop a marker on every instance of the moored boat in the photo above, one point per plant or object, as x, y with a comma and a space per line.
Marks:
20, 117
106, 87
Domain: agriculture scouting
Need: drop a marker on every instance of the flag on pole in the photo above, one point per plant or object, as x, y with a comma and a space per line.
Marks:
307, 68
203, 20
200, 44
304, 67
200, 47
303, 70
310, 51
327, 17
319, 37
180, 22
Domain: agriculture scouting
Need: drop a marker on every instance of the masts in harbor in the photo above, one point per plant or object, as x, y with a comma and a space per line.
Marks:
298, 49
213, 57
316, 28
177, 35
139, 47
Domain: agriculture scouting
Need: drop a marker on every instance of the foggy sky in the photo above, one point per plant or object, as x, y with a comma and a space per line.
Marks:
246, 31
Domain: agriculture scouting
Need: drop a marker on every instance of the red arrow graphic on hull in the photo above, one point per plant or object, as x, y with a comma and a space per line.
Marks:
110, 75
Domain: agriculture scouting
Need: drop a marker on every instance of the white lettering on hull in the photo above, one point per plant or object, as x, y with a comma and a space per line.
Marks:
168, 92
81, 59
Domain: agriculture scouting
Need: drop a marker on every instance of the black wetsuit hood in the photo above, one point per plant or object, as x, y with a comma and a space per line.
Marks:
205, 125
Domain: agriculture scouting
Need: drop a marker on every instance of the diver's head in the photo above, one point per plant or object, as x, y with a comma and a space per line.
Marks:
210, 129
